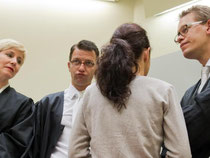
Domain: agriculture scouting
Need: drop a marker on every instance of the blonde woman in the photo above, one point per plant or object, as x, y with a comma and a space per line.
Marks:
16, 116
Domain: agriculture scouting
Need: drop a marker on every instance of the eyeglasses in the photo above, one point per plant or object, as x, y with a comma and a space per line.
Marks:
77, 62
184, 30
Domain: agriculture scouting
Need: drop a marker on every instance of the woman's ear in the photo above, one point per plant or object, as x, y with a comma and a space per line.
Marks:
147, 54
146, 60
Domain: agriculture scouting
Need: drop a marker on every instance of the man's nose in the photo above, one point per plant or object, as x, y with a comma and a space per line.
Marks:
82, 67
180, 38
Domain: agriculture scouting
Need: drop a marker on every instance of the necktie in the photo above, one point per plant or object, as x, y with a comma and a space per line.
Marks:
204, 77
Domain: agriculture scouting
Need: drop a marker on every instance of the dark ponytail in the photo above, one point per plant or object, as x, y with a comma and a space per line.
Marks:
115, 71
118, 64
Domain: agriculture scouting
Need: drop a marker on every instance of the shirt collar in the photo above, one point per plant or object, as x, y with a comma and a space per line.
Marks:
208, 63
73, 92
3, 88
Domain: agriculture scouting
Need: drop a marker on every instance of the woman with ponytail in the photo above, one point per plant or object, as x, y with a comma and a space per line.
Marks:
126, 114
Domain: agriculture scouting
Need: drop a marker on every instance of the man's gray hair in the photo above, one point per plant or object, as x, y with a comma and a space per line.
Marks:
201, 12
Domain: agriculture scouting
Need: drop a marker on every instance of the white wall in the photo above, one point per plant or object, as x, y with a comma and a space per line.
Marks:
48, 30
152, 7
177, 70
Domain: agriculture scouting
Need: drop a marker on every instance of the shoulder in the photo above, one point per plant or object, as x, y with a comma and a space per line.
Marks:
152, 88
52, 98
151, 82
54, 95
190, 94
191, 90
11, 97
92, 89
92, 94
19, 97
50, 103
91, 86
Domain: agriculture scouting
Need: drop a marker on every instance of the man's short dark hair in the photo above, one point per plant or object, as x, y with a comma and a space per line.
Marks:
84, 45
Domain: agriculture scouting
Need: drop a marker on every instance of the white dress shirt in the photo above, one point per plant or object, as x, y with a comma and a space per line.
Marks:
3, 88
204, 72
71, 97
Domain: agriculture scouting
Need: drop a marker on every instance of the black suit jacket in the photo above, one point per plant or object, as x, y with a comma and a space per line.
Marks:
49, 112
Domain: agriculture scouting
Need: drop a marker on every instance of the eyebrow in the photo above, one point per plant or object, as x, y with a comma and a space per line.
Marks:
81, 59
178, 31
182, 26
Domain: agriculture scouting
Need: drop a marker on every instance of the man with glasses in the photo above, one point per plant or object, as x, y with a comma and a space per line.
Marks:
194, 40
56, 112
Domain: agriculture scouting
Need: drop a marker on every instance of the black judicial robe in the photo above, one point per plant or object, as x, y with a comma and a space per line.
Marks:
16, 124
49, 111
196, 108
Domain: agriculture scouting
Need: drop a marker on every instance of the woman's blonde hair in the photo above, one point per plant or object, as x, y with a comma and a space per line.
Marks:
6, 44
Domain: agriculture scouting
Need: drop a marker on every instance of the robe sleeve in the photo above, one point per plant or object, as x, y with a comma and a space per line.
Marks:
16, 140
48, 115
